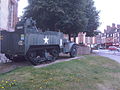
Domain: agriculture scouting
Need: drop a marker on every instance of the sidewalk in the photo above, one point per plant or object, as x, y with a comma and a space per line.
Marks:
114, 55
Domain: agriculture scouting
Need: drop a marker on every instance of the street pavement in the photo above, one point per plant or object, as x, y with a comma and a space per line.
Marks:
114, 55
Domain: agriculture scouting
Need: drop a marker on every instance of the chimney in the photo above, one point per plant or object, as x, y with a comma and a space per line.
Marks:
118, 26
113, 26
108, 28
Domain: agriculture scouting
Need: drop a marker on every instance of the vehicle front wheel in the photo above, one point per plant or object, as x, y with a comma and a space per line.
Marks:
73, 51
118, 50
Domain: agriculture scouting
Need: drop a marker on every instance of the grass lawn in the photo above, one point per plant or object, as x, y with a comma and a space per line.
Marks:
88, 73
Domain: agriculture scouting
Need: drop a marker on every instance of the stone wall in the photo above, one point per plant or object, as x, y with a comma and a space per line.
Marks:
83, 50
3, 59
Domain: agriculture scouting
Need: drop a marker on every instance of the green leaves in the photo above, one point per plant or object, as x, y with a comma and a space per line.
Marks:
93, 18
68, 16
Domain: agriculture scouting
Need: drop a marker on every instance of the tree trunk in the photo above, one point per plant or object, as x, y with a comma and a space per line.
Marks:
69, 37
74, 39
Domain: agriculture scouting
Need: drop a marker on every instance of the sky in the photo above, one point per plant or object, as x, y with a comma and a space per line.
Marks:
109, 11
21, 5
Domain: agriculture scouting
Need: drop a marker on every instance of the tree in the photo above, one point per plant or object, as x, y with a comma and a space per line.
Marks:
46, 13
93, 19
68, 16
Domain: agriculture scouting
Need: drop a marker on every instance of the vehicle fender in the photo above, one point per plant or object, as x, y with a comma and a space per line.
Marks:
68, 46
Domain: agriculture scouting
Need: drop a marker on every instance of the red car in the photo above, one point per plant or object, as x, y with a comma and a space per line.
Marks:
113, 48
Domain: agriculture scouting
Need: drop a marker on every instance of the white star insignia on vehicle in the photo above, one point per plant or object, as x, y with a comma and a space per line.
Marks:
45, 40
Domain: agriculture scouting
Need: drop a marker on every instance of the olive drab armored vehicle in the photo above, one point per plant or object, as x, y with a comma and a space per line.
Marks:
34, 45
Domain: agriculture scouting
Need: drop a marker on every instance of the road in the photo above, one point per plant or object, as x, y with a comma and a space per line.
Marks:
114, 55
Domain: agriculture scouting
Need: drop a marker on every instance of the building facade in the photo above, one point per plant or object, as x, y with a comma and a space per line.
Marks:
8, 14
83, 40
111, 36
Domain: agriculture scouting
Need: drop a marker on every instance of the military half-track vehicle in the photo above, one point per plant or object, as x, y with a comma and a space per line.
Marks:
34, 45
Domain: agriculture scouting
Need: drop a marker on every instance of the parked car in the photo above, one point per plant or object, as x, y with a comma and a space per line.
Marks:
101, 47
113, 48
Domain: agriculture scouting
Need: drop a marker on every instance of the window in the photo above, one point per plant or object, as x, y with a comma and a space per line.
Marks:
111, 35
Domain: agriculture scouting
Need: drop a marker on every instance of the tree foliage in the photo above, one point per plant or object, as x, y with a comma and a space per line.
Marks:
68, 16
93, 18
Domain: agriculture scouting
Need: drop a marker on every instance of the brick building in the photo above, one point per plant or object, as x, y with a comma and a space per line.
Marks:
82, 39
111, 36
8, 14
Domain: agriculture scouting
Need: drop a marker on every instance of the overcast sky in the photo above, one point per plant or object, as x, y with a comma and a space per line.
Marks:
109, 11
21, 5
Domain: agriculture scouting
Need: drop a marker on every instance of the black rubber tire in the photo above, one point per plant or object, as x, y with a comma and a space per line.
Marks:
118, 50
54, 53
31, 57
73, 51
34, 58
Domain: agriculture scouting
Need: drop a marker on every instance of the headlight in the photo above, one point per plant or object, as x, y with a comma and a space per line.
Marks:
20, 43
